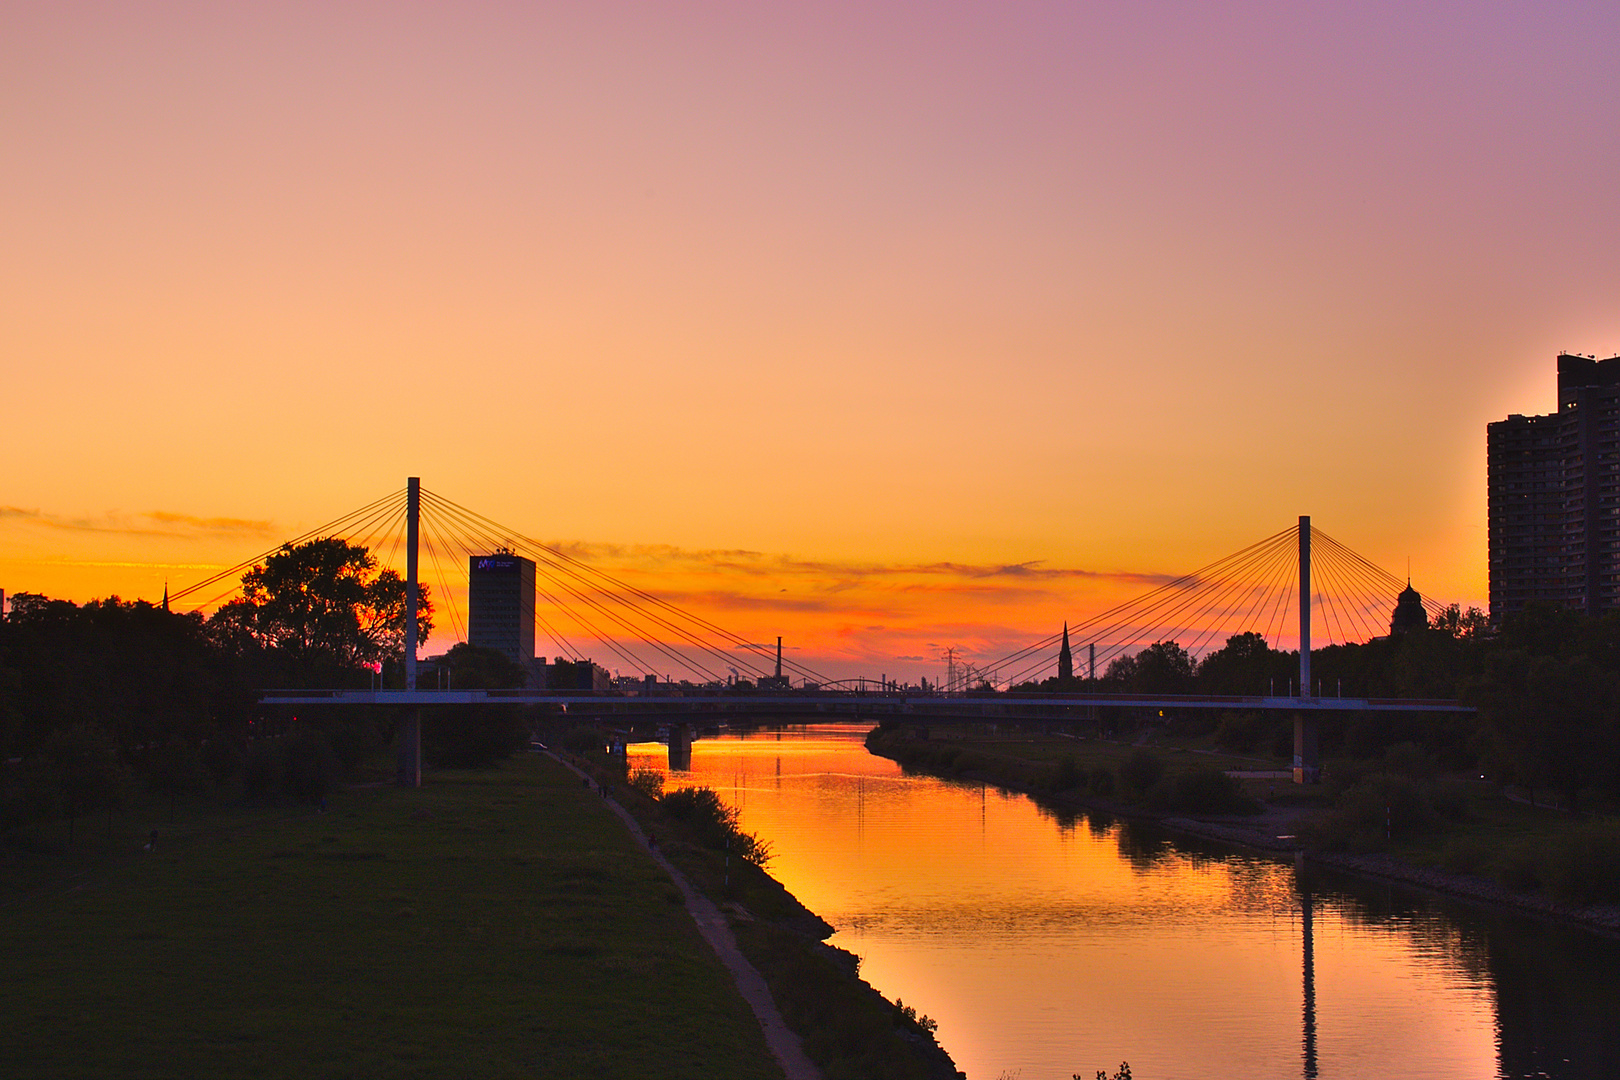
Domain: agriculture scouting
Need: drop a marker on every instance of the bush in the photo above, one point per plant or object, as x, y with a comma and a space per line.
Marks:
1520, 866
301, 766
312, 766
583, 740
1242, 731
1101, 781
1409, 759
225, 756
1067, 776
1142, 770
1207, 790
472, 736
1583, 865
714, 823
1468, 855
1383, 805
968, 760
649, 782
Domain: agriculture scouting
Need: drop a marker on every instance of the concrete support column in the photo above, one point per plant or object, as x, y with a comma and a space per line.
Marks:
1307, 751
409, 757
680, 747
409, 772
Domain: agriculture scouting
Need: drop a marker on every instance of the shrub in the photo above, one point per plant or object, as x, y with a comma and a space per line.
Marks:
312, 766
1368, 813
648, 782
1142, 770
1583, 865
1067, 776
1206, 790
1520, 867
472, 736
714, 823
1101, 781
967, 760
583, 740
225, 756
1239, 731
1468, 855
300, 766
1409, 759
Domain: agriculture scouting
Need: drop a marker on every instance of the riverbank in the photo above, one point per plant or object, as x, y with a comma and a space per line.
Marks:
849, 1029
1285, 813
491, 923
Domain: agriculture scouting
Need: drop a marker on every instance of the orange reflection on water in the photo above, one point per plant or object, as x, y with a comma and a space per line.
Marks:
1047, 946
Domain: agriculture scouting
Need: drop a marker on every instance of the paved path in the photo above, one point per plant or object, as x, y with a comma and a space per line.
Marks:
711, 923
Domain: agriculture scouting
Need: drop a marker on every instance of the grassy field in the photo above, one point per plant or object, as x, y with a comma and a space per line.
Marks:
490, 924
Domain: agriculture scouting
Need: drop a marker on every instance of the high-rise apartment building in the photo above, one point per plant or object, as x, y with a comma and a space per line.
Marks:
1553, 497
500, 604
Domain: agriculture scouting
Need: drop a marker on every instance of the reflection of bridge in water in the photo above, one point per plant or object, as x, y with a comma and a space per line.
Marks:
1249, 591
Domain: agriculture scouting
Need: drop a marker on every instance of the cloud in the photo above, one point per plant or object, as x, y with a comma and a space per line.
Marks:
214, 524
150, 523
743, 563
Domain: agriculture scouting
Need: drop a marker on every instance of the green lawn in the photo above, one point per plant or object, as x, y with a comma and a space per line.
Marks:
489, 924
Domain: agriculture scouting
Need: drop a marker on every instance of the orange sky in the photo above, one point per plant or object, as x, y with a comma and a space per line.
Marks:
865, 286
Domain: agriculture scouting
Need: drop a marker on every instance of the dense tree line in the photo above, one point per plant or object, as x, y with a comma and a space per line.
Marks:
1546, 686
98, 701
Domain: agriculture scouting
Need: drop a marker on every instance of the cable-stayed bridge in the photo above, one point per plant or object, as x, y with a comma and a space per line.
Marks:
1266, 589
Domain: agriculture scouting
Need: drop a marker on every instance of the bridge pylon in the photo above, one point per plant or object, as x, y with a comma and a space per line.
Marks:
1307, 734
410, 729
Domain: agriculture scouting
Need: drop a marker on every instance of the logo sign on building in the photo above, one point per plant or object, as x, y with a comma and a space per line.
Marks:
496, 564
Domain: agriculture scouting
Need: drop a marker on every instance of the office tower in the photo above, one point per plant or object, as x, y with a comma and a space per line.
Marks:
1553, 496
500, 604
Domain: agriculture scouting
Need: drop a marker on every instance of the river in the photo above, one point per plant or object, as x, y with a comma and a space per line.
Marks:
1049, 944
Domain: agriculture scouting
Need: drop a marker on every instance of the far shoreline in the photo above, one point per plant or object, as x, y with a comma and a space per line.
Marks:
1269, 834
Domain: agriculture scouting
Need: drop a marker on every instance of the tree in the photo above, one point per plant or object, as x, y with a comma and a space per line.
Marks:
1469, 625
473, 667
83, 770
1121, 671
1553, 721
1163, 668
325, 608
1246, 665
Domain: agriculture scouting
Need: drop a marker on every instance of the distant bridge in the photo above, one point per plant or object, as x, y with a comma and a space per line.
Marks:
988, 706
1250, 588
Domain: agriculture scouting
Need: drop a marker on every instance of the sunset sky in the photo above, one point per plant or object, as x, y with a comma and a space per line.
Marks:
876, 299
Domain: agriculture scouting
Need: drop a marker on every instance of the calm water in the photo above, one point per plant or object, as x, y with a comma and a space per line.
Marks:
1048, 945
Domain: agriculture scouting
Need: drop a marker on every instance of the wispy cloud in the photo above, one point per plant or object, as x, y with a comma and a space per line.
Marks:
150, 523
742, 562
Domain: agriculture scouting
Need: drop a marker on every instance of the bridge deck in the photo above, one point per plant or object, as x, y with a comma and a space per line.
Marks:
813, 702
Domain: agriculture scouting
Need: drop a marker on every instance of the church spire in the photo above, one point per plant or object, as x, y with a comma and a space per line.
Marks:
1065, 658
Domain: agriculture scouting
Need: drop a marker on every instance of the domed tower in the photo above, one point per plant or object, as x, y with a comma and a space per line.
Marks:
1409, 613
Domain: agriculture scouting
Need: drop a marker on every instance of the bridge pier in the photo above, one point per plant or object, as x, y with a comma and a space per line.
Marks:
1307, 748
680, 747
409, 757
